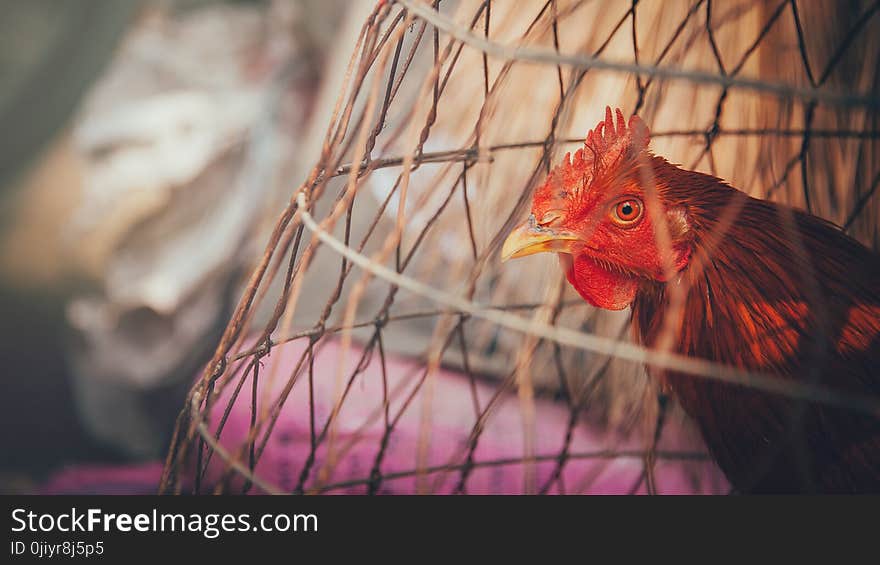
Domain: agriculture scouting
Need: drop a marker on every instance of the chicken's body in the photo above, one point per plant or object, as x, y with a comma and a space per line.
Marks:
761, 287
784, 293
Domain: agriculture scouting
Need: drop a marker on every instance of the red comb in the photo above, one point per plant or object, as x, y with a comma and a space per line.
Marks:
606, 145
608, 142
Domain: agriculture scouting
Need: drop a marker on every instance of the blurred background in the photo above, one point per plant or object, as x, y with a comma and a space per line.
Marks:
148, 148
142, 142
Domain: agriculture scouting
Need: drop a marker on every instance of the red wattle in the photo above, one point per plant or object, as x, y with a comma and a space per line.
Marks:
597, 285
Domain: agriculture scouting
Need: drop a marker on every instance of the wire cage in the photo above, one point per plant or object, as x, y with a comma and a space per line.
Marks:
380, 345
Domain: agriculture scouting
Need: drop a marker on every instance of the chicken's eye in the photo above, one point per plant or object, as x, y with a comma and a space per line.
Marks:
626, 212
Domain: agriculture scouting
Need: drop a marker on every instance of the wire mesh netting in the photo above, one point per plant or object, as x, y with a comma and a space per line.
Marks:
380, 346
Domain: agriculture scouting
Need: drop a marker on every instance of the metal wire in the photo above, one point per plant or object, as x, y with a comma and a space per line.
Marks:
382, 62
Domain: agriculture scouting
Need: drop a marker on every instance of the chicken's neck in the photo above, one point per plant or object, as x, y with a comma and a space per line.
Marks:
765, 284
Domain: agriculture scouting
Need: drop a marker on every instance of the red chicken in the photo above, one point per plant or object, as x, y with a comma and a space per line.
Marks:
733, 279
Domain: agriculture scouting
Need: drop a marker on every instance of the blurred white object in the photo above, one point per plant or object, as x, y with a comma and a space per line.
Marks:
181, 141
158, 149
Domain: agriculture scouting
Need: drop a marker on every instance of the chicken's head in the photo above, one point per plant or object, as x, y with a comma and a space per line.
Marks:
594, 211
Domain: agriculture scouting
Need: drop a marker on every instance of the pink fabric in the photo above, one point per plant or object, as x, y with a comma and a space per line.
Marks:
105, 479
447, 416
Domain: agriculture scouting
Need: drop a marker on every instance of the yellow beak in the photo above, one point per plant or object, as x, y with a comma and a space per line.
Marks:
530, 238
